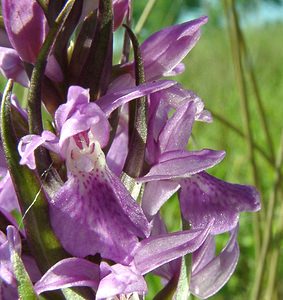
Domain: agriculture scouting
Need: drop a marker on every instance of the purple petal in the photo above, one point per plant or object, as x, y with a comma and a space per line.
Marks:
118, 151
110, 102
14, 239
69, 272
76, 97
87, 117
165, 49
8, 199
204, 254
6, 268
12, 67
29, 143
94, 213
156, 193
182, 164
179, 69
78, 115
53, 69
176, 132
120, 280
120, 9
26, 27
217, 272
158, 250
204, 197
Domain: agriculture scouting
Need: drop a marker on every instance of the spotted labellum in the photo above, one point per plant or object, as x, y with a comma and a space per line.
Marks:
94, 152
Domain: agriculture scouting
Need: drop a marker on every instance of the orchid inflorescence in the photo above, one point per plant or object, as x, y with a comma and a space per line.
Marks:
83, 183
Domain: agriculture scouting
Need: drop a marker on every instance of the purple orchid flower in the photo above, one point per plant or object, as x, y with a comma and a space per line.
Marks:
92, 212
163, 53
119, 279
26, 27
209, 272
172, 167
176, 42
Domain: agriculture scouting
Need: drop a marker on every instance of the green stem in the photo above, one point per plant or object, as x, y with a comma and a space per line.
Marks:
259, 102
45, 246
241, 134
144, 16
256, 293
239, 72
135, 160
43, 160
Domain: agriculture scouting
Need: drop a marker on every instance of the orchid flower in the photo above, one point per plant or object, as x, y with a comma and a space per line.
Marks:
120, 279
92, 212
202, 196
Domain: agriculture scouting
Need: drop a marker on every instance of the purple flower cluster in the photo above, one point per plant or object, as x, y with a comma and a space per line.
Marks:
107, 219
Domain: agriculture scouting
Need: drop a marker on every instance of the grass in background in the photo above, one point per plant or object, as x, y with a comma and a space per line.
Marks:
210, 74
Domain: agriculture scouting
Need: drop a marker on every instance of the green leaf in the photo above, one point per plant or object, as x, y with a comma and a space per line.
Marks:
25, 287
182, 290
43, 243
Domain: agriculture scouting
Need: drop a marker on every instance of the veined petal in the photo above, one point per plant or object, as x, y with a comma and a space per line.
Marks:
158, 250
69, 272
165, 49
182, 164
207, 281
120, 280
204, 197
26, 27
110, 102
12, 67
93, 212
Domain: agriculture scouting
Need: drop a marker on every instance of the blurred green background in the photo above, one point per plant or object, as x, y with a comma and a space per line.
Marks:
211, 74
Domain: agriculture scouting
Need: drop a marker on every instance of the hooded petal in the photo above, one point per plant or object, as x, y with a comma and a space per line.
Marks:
182, 164
26, 27
69, 272
204, 197
120, 280
12, 67
79, 115
210, 279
